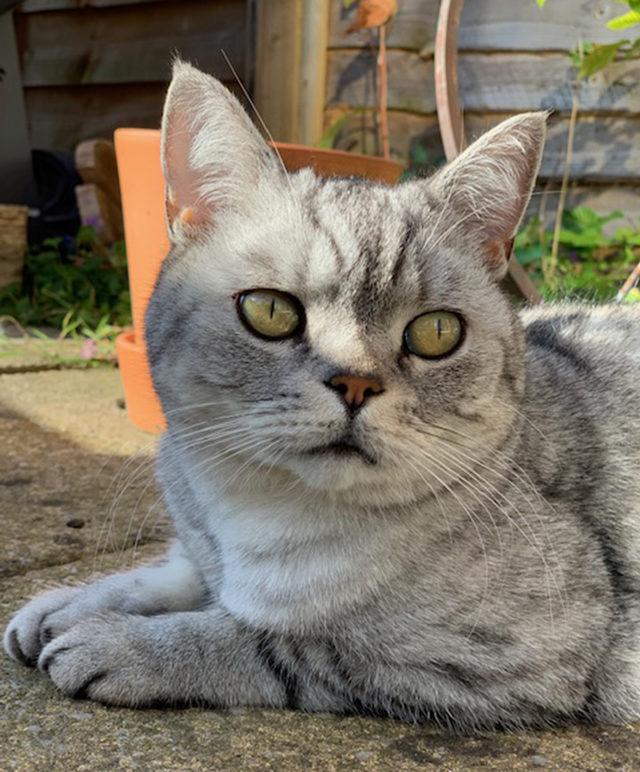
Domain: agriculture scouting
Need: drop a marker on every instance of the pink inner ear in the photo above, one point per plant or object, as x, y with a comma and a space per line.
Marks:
183, 189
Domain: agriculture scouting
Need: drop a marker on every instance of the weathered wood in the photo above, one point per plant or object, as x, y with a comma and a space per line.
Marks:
278, 62
99, 197
129, 44
531, 81
406, 131
13, 242
606, 148
501, 82
500, 25
63, 117
16, 176
35, 6
413, 27
351, 78
492, 25
313, 69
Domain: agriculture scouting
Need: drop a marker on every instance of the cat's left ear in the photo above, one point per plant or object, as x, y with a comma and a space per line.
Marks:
213, 157
487, 188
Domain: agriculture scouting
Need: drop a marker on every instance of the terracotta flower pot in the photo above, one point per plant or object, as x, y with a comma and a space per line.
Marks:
142, 190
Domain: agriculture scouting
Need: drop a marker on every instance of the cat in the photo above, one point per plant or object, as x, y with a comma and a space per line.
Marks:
393, 494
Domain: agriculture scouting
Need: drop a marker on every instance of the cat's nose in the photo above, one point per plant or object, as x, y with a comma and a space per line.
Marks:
355, 389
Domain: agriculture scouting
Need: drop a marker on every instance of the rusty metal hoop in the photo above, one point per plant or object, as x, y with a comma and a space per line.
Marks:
451, 118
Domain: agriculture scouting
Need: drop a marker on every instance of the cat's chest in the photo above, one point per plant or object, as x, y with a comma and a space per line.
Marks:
287, 570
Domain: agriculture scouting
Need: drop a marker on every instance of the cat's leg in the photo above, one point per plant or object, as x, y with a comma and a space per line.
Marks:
171, 585
201, 657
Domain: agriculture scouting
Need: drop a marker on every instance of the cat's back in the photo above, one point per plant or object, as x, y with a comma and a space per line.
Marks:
581, 406
594, 348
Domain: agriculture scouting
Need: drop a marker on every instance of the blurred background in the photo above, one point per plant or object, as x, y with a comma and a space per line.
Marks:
72, 71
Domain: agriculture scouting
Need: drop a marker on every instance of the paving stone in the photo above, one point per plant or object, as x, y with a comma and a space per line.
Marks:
59, 502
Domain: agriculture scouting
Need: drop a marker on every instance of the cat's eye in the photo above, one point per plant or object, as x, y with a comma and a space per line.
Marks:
270, 314
434, 335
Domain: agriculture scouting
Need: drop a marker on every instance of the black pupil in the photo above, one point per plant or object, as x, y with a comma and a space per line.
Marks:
439, 327
273, 306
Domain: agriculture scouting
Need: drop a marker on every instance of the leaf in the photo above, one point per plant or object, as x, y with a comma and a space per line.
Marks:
328, 138
541, 3
633, 296
373, 13
598, 57
633, 50
626, 20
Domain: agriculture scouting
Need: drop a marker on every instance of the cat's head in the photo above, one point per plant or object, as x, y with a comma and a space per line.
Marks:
352, 334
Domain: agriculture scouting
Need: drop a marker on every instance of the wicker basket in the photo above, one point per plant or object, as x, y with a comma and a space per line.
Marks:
13, 242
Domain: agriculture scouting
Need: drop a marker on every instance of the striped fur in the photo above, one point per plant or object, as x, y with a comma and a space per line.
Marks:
477, 566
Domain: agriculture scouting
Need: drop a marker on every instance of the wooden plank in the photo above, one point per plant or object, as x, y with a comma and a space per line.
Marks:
606, 148
62, 117
413, 27
532, 81
313, 69
35, 6
16, 175
130, 43
501, 82
499, 25
278, 63
492, 25
351, 80
407, 131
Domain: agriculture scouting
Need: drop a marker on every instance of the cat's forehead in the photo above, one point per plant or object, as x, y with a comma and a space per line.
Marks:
367, 245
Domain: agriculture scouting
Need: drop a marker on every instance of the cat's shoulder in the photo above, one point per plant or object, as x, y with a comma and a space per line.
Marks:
598, 334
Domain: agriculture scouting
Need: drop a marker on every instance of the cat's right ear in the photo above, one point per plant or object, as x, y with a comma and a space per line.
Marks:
212, 154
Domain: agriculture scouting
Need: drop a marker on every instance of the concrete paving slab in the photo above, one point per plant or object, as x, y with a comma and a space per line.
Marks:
84, 406
59, 503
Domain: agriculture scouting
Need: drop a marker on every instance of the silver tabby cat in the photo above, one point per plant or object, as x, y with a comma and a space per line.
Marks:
392, 494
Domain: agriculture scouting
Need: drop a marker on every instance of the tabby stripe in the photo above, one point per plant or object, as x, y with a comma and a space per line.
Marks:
543, 335
280, 671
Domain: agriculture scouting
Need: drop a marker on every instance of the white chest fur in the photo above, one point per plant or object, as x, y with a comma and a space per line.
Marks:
291, 568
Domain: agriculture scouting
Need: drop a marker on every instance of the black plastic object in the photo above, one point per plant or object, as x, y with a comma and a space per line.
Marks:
57, 211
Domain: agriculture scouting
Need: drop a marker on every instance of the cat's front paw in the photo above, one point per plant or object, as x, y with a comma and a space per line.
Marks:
108, 659
39, 622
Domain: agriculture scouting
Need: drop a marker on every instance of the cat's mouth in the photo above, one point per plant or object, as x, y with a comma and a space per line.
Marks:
345, 447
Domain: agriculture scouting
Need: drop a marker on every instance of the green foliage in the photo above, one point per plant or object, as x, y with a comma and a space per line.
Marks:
625, 20
75, 285
590, 58
330, 135
591, 264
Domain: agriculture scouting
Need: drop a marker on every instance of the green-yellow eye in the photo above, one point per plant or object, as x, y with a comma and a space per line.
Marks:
433, 335
270, 314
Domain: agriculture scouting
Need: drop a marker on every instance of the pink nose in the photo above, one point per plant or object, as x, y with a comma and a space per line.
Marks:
354, 389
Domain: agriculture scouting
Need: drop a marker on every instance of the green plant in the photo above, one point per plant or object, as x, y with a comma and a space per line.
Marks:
75, 285
590, 58
591, 264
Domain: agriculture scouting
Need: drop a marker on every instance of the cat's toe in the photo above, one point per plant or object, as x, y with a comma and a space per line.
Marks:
30, 630
101, 659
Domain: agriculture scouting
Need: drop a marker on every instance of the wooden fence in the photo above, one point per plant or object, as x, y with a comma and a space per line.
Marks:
89, 66
513, 58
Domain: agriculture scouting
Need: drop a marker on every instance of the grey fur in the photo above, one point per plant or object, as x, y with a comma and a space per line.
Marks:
482, 571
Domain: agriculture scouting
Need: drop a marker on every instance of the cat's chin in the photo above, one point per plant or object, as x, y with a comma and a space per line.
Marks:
332, 468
